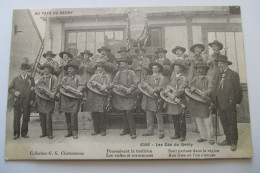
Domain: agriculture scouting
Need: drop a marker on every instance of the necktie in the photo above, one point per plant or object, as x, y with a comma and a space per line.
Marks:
221, 84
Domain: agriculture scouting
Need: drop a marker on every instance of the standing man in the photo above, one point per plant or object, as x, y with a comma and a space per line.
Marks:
46, 89
70, 94
175, 90
125, 82
227, 94
197, 50
123, 51
65, 57
202, 86
179, 52
97, 98
21, 89
85, 66
49, 57
153, 85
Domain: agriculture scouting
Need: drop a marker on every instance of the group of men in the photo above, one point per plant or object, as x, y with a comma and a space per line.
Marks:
157, 87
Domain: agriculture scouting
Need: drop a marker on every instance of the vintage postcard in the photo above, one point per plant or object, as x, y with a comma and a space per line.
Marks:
128, 83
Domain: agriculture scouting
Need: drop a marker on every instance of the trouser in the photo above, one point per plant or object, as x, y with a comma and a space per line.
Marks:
18, 111
139, 101
128, 122
72, 123
205, 126
150, 121
46, 123
99, 121
179, 124
228, 118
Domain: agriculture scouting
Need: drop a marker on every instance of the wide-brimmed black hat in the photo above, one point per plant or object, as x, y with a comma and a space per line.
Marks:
179, 63
86, 52
104, 48
197, 45
216, 42
62, 53
156, 64
178, 47
25, 66
223, 58
49, 53
123, 59
72, 63
201, 64
123, 49
48, 66
137, 50
160, 50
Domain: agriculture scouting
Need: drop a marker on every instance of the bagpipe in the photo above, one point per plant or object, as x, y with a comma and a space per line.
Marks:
46, 93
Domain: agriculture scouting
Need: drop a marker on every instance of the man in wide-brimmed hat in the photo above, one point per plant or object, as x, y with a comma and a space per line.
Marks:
123, 51
201, 110
227, 94
216, 47
175, 111
85, 64
180, 55
153, 84
45, 107
21, 88
65, 57
96, 102
70, 105
49, 55
197, 50
125, 78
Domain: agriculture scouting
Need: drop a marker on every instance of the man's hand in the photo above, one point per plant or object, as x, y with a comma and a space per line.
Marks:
129, 91
17, 93
31, 102
93, 83
204, 95
192, 89
103, 88
173, 96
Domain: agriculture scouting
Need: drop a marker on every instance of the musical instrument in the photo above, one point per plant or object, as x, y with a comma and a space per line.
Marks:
96, 88
169, 96
121, 90
70, 92
147, 90
45, 93
196, 95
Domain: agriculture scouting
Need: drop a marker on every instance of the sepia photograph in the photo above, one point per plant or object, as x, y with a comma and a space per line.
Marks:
128, 83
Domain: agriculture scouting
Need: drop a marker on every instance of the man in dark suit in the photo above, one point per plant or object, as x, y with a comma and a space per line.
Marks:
227, 94
22, 89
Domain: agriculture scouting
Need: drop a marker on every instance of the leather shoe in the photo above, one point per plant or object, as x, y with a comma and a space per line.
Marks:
182, 139
161, 136
103, 133
147, 134
211, 142
75, 137
224, 143
133, 137
233, 147
124, 133
42, 136
175, 137
25, 136
16, 137
50, 137
68, 135
94, 133
201, 140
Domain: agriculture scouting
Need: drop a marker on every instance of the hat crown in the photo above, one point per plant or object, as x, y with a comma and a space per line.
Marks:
201, 64
25, 66
49, 52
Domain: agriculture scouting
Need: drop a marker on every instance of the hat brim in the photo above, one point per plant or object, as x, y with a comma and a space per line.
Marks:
229, 62
120, 51
181, 48
62, 53
52, 54
71, 65
157, 52
44, 66
202, 66
90, 54
137, 50
156, 64
219, 45
108, 50
197, 45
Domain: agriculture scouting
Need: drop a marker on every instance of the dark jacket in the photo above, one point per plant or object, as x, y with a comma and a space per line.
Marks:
231, 93
25, 87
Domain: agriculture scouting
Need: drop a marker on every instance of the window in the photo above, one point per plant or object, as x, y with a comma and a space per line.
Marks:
78, 41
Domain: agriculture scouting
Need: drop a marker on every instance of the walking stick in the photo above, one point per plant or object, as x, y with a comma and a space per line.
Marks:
216, 123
